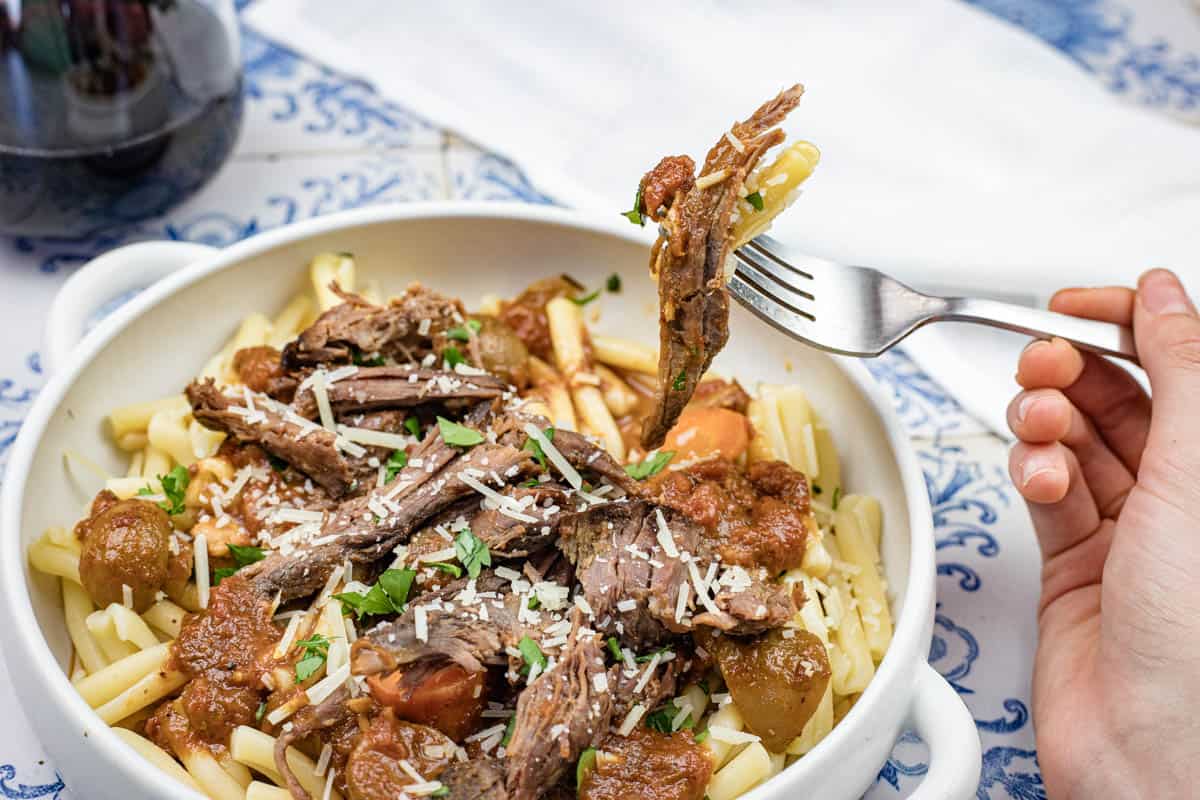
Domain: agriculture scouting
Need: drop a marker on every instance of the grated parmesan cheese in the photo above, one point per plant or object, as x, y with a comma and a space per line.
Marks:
730, 736
568, 472
322, 396
376, 438
201, 556
319, 692
421, 623
711, 179
632, 719
323, 760
664, 535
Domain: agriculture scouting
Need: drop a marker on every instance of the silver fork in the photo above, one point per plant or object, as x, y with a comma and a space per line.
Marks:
859, 311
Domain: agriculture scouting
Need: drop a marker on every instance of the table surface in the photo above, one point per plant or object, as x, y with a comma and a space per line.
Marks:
315, 142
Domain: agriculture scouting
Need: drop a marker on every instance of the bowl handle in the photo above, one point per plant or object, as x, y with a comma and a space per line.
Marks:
942, 720
103, 284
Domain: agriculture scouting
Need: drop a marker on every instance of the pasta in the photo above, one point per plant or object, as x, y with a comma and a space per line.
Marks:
124, 665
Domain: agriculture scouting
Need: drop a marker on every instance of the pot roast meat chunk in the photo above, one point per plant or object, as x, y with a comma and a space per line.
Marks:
689, 260
477, 779
309, 448
356, 329
374, 388
619, 554
559, 715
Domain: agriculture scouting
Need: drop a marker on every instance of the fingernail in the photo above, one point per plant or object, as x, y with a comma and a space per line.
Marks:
1027, 402
1161, 293
1036, 463
1035, 345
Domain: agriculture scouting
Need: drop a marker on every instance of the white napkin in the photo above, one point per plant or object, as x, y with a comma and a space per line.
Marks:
957, 150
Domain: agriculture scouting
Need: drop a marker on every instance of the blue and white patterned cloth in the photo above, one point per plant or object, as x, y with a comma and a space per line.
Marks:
315, 142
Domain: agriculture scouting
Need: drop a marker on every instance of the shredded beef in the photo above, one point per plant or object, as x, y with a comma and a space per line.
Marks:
618, 556
559, 715
689, 260
477, 779
357, 328
374, 388
312, 451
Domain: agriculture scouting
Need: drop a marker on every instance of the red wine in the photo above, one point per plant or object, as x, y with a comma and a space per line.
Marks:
112, 111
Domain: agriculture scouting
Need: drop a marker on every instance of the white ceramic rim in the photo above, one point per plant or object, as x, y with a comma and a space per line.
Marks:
897, 673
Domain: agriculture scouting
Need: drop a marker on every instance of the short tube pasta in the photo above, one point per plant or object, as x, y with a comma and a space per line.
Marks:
76, 608
135, 418
54, 560
256, 750
150, 689
157, 756
745, 771
330, 268
618, 396
625, 354
108, 682
570, 353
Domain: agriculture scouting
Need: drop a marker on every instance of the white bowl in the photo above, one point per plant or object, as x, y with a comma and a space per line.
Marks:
154, 344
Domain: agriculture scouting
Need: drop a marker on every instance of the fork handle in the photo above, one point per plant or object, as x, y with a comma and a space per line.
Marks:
1103, 338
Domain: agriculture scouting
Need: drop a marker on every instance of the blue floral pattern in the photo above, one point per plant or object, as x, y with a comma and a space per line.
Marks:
381, 152
1100, 36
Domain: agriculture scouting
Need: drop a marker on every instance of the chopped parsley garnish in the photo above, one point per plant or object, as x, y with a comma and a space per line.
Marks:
613, 284
837, 496
651, 466
508, 730
614, 647
755, 199
396, 584
532, 483
315, 650
701, 736
453, 569
703, 684
442, 792
388, 596
242, 556
680, 380
535, 447
362, 360
396, 462
587, 298
246, 555
532, 655
174, 488
534, 604
650, 656
413, 426
458, 435
462, 333
660, 720
262, 709
472, 552
635, 215
453, 357
587, 763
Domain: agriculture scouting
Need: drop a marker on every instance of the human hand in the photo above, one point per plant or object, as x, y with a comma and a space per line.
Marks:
1112, 482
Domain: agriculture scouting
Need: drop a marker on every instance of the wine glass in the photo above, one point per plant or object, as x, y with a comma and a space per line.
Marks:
112, 111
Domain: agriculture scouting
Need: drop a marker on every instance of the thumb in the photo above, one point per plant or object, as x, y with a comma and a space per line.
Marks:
1167, 332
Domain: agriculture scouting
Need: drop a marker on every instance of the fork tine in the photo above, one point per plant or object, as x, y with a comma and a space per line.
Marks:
780, 317
765, 246
772, 281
